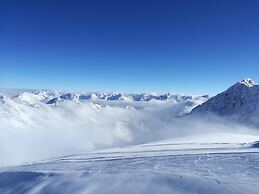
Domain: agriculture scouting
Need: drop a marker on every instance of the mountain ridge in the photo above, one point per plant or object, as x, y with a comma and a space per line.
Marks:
239, 102
54, 96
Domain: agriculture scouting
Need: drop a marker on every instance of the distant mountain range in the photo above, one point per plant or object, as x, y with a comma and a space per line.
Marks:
240, 102
121, 97
54, 97
172, 104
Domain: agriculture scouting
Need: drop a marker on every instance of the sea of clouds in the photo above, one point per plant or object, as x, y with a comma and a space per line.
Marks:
32, 131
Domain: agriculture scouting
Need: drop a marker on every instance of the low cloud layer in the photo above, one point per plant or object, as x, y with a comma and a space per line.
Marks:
39, 131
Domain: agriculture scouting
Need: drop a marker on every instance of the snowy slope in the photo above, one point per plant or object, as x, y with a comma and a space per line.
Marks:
184, 166
239, 102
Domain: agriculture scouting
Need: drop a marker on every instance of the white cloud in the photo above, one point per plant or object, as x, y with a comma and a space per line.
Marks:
32, 131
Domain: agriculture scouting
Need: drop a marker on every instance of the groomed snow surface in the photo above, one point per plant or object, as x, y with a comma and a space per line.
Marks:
189, 165
138, 147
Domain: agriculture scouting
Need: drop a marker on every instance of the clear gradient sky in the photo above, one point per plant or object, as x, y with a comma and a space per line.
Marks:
179, 46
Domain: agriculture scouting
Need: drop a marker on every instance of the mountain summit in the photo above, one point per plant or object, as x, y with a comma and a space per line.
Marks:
240, 101
248, 82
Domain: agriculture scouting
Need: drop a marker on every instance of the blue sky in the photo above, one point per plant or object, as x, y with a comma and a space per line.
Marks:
179, 46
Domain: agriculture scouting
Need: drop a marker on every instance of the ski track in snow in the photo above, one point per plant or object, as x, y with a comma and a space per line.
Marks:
226, 169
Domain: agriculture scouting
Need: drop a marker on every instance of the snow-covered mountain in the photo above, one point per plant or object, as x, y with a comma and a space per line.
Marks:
52, 97
239, 102
79, 97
